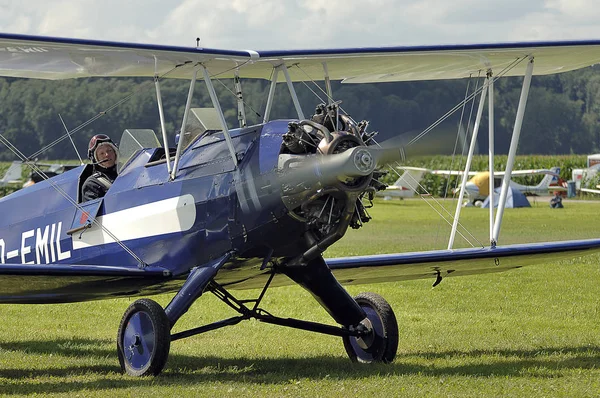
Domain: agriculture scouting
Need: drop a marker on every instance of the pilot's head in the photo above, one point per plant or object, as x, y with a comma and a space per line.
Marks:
102, 151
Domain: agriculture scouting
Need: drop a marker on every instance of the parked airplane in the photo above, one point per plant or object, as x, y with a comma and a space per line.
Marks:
40, 171
406, 185
13, 175
583, 177
44, 171
244, 208
478, 187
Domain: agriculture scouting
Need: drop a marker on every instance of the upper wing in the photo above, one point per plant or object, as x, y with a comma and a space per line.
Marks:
60, 58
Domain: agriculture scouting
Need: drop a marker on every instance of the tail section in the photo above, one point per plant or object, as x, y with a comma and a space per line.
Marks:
411, 178
13, 174
549, 179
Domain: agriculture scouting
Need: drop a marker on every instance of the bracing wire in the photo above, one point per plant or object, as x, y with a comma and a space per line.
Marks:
458, 106
68, 134
100, 114
65, 195
509, 67
460, 124
416, 184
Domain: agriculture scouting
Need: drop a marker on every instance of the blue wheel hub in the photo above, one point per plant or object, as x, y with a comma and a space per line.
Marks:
139, 340
366, 347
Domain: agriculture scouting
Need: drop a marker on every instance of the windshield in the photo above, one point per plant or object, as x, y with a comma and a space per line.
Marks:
200, 120
133, 140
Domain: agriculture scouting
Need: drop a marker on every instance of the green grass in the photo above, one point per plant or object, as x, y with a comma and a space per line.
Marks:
529, 332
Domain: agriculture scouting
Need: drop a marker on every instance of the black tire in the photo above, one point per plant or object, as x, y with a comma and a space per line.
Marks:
381, 345
144, 339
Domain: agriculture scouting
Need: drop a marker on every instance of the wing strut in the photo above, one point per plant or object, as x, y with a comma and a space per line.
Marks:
184, 123
465, 175
217, 105
513, 148
491, 153
271, 95
240, 99
328, 84
162, 122
288, 79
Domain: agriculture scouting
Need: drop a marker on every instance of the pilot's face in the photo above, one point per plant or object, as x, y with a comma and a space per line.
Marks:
106, 155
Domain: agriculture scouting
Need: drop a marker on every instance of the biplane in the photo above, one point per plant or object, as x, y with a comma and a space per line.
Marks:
250, 207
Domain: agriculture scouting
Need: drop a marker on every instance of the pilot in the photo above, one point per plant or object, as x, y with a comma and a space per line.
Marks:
103, 153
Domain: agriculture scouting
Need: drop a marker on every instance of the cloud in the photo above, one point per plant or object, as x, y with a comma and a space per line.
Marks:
585, 11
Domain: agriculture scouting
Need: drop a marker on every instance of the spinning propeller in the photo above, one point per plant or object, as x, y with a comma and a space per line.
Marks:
349, 165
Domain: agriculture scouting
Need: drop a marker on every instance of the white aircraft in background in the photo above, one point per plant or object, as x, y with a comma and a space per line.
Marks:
405, 186
13, 175
46, 170
478, 187
583, 176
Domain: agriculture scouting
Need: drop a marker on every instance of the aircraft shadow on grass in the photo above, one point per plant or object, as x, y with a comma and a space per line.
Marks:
277, 370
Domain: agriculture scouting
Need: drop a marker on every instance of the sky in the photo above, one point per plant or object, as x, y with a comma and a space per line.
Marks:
299, 24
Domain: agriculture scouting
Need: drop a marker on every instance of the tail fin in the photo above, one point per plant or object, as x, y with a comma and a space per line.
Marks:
549, 178
410, 178
13, 174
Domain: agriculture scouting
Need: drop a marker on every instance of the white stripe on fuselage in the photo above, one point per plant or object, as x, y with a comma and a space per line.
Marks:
158, 218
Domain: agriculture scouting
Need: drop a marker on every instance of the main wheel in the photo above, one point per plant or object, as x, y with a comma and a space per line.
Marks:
144, 339
381, 343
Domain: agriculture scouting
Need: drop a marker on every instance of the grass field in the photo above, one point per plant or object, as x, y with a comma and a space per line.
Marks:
529, 332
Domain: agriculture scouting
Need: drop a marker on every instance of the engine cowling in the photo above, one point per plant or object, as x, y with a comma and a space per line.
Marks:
327, 175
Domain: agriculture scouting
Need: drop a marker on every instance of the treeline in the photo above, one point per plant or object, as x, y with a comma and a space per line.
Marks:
563, 111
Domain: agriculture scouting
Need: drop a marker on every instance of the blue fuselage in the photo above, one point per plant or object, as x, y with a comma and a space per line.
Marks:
146, 216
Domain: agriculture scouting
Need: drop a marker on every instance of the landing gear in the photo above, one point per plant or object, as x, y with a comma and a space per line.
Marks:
381, 343
144, 339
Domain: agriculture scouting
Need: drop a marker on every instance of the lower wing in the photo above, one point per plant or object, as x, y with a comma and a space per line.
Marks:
436, 264
443, 263
20, 283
